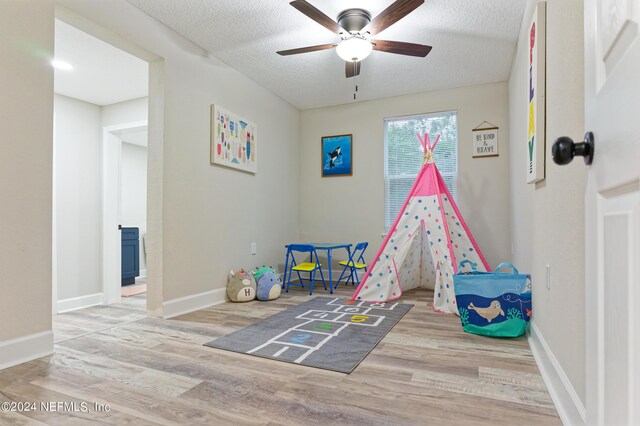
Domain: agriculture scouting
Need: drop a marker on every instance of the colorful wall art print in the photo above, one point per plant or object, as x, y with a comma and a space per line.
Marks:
234, 140
337, 155
536, 95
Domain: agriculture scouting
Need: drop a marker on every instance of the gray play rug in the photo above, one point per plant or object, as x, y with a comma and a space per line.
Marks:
323, 332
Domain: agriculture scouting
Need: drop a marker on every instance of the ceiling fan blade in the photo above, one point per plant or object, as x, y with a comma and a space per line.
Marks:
398, 10
352, 69
401, 48
315, 14
306, 49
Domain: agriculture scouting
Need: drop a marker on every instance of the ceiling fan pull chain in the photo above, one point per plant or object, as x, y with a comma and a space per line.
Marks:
355, 82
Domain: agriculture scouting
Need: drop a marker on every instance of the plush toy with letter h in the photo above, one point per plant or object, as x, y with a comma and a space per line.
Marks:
240, 286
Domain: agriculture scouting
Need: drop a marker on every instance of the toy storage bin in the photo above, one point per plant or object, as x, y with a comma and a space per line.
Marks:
494, 304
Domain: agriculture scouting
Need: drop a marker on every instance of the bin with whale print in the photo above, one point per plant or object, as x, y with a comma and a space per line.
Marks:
495, 303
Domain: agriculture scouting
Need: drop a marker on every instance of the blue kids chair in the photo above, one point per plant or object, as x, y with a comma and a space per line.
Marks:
311, 267
354, 263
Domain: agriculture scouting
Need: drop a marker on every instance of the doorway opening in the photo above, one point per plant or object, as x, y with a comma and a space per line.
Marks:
108, 100
124, 212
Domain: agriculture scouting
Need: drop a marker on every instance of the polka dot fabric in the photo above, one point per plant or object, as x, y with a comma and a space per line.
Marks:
443, 295
400, 261
460, 241
428, 240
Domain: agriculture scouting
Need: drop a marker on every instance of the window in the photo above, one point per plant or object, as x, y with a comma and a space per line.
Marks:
404, 156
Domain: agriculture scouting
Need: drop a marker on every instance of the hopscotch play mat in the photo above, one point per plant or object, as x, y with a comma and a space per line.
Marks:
323, 332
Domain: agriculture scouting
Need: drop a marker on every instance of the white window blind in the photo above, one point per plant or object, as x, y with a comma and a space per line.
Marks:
404, 156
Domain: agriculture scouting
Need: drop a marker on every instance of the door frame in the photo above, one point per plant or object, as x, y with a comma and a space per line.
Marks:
111, 207
155, 149
54, 227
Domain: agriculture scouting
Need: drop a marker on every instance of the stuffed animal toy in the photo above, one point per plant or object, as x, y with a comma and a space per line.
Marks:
269, 284
241, 286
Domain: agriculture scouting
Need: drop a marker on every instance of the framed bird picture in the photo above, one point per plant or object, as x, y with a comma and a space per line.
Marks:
337, 155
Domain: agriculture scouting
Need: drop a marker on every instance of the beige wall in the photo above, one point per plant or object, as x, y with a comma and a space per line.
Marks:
211, 214
352, 208
26, 120
548, 218
78, 197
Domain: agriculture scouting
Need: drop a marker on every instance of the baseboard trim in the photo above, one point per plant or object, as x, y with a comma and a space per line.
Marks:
570, 408
26, 348
80, 302
194, 302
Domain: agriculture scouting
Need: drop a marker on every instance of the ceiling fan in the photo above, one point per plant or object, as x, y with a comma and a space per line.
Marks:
355, 27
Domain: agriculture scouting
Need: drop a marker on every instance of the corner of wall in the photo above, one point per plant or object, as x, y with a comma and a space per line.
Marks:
183, 305
26, 180
542, 233
26, 348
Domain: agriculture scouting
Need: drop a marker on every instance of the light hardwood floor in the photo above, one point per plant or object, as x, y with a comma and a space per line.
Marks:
426, 371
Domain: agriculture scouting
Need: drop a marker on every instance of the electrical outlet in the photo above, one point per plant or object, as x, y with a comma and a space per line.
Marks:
548, 277
254, 250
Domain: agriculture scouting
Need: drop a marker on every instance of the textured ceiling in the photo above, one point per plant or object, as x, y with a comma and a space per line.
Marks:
102, 74
473, 42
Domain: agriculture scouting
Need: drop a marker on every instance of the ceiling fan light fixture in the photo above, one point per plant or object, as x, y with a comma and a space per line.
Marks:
354, 49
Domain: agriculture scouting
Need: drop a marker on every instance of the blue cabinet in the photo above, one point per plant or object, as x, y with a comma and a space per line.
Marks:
130, 255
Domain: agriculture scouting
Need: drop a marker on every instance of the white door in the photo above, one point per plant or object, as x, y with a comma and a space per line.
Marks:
612, 108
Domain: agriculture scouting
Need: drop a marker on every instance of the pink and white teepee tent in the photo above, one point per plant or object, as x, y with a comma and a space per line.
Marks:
425, 244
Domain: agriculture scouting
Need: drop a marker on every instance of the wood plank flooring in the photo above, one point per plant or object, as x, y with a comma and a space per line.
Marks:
156, 372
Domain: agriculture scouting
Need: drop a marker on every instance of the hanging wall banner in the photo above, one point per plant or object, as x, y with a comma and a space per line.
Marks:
485, 142
536, 57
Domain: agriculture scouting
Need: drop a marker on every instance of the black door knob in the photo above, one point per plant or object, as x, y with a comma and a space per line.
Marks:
564, 149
